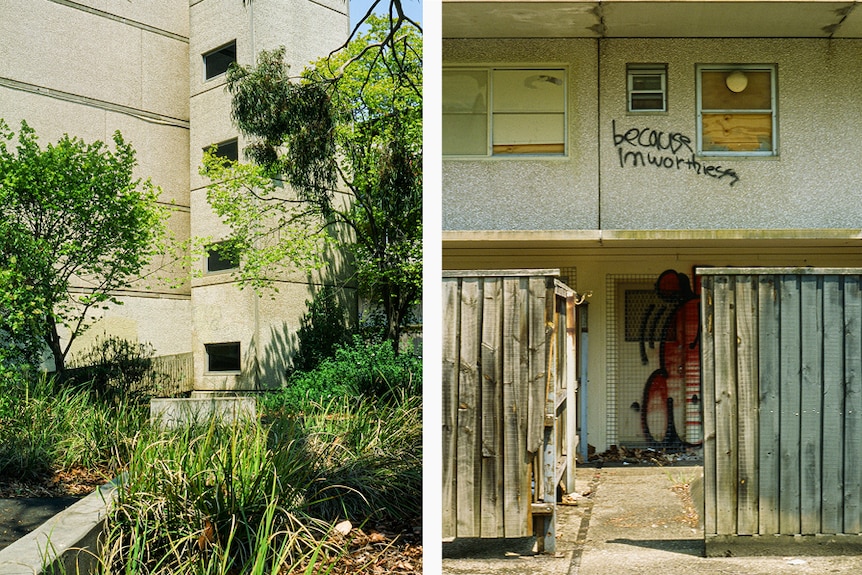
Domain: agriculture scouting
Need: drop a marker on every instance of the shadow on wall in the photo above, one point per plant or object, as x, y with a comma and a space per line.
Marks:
330, 320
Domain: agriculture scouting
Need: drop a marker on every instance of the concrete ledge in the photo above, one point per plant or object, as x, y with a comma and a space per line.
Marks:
66, 543
758, 545
201, 410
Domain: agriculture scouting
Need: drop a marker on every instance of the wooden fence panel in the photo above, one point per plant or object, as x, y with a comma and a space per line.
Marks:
782, 377
498, 339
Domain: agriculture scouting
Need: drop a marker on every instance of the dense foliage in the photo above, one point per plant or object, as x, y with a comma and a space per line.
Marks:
347, 138
75, 226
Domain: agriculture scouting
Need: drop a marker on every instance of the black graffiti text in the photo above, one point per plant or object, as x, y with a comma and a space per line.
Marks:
667, 150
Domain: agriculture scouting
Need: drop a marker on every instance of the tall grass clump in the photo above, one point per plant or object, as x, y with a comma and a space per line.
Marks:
47, 427
220, 499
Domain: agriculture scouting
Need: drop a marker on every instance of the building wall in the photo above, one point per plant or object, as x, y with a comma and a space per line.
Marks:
90, 68
264, 324
811, 184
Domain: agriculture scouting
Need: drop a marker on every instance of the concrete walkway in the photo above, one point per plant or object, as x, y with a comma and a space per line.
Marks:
632, 522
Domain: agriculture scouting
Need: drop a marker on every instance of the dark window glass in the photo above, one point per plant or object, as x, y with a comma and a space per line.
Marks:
219, 258
223, 356
217, 61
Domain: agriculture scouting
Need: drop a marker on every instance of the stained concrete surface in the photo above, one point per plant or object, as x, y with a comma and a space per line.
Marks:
20, 516
630, 522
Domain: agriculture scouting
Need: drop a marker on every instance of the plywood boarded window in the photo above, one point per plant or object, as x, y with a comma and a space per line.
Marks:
737, 110
504, 111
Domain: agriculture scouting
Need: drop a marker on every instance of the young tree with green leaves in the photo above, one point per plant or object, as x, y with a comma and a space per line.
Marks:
75, 227
347, 137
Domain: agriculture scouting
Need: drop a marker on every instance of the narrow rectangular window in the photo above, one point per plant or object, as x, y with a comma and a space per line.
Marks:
504, 111
647, 87
737, 113
217, 62
223, 356
221, 257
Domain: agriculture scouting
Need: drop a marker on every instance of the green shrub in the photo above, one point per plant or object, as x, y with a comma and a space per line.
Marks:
358, 370
324, 329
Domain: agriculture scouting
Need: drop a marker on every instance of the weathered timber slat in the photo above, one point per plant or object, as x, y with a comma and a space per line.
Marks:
747, 393
469, 431
449, 384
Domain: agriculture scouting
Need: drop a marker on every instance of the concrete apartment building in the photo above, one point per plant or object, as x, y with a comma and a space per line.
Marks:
627, 143
155, 71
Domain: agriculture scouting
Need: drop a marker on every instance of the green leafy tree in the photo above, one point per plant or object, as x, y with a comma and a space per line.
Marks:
347, 137
75, 226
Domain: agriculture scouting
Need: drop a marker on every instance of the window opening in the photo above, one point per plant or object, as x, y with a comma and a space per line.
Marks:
737, 110
221, 257
218, 61
223, 356
504, 111
647, 87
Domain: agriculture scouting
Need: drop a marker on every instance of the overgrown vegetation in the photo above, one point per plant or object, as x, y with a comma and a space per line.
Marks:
255, 497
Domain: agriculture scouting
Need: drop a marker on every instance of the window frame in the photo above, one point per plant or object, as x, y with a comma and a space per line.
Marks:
633, 70
488, 70
208, 347
206, 55
773, 110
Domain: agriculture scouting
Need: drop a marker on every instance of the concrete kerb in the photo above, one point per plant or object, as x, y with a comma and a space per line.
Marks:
65, 543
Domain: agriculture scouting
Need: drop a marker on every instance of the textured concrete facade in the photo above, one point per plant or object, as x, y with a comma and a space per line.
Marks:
90, 67
613, 227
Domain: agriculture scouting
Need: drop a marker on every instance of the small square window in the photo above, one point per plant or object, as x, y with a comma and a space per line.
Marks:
229, 150
736, 108
504, 111
223, 356
217, 62
647, 87
220, 257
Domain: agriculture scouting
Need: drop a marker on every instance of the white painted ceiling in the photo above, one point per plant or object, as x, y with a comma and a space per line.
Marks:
651, 19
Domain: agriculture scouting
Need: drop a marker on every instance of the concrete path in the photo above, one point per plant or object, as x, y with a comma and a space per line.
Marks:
631, 522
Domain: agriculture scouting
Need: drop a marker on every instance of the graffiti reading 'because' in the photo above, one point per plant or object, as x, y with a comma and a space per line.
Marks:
668, 150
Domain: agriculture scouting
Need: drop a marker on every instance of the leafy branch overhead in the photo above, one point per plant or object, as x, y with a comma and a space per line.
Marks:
346, 136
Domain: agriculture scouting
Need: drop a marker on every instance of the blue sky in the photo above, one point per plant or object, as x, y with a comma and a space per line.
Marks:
358, 8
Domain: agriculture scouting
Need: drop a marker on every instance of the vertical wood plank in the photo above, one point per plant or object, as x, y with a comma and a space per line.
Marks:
537, 362
725, 406
469, 406
769, 365
853, 405
833, 406
707, 346
790, 405
516, 489
811, 392
571, 390
449, 383
747, 393
492, 405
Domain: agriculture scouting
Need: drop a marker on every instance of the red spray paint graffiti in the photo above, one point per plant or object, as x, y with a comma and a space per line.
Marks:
672, 393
